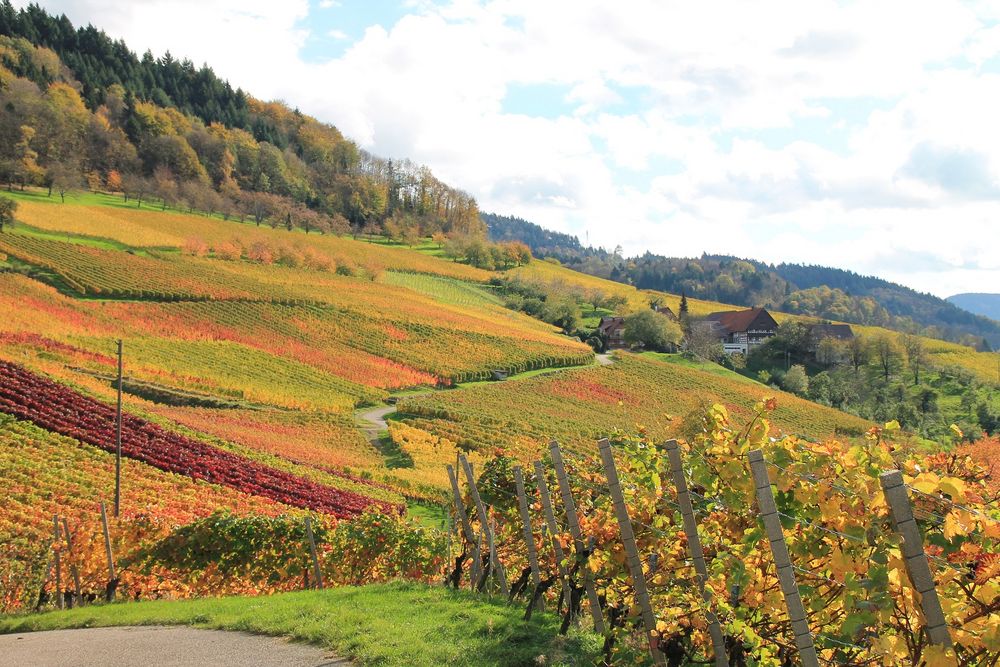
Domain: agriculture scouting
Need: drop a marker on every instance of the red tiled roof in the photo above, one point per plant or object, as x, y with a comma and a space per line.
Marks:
740, 320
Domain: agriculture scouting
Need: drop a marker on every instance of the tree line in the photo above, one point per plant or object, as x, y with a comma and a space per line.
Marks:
817, 291
159, 128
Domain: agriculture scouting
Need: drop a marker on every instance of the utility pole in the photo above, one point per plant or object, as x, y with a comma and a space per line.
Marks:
118, 438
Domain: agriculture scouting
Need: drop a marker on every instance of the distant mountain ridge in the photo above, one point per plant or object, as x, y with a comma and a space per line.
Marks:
980, 303
805, 289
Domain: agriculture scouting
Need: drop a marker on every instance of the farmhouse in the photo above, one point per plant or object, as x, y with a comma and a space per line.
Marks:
613, 331
743, 330
818, 332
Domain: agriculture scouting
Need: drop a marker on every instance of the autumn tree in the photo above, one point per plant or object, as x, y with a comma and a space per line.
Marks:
64, 178
885, 351
858, 352
8, 207
916, 355
652, 331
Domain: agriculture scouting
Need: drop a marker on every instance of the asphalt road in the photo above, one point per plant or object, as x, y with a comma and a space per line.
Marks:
157, 645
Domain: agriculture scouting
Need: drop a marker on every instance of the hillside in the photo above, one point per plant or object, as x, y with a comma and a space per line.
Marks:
815, 291
82, 110
987, 305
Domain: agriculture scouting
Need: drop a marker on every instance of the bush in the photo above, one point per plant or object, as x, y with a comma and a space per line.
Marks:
795, 380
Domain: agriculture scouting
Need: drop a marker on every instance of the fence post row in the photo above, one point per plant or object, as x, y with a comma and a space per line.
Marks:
107, 549
912, 548
529, 537
631, 551
550, 522
786, 574
695, 550
463, 517
317, 573
487, 531
574, 528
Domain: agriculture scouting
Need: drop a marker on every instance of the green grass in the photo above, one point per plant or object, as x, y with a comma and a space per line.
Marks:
707, 366
427, 514
519, 376
401, 624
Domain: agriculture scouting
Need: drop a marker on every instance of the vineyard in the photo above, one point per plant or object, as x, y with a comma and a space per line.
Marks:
51, 406
145, 228
579, 406
738, 548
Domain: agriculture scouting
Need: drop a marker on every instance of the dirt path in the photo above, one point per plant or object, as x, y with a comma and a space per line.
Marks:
162, 646
372, 421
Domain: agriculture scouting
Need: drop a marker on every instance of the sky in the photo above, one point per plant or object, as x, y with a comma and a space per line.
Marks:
862, 135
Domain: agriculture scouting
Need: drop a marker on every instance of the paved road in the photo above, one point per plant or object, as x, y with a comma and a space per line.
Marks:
157, 645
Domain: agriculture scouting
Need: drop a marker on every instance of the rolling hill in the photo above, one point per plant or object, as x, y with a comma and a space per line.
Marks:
987, 305
816, 291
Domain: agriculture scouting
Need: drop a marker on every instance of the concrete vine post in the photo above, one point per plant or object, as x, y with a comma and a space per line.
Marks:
631, 551
58, 563
73, 569
695, 550
463, 517
574, 528
912, 549
317, 573
485, 523
550, 522
111, 559
786, 573
529, 536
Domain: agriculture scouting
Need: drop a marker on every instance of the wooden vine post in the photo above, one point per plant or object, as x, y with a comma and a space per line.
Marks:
118, 438
470, 535
695, 550
487, 530
529, 536
574, 528
786, 574
73, 569
58, 563
912, 548
550, 522
317, 573
107, 550
631, 551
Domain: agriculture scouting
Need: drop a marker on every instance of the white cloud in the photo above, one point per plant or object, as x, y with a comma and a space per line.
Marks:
859, 135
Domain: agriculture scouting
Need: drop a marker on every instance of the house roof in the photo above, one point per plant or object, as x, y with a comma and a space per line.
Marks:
827, 330
665, 310
743, 320
609, 323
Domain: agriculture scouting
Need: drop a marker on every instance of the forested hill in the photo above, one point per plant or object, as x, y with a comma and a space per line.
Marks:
809, 290
80, 109
987, 305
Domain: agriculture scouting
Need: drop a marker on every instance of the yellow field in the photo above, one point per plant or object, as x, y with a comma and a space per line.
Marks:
149, 228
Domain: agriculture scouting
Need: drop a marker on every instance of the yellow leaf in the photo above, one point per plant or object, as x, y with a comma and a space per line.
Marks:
952, 526
954, 487
957, 431
892, 426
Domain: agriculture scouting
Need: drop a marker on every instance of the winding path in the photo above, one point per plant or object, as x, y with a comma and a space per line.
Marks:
372, 421
163, 646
